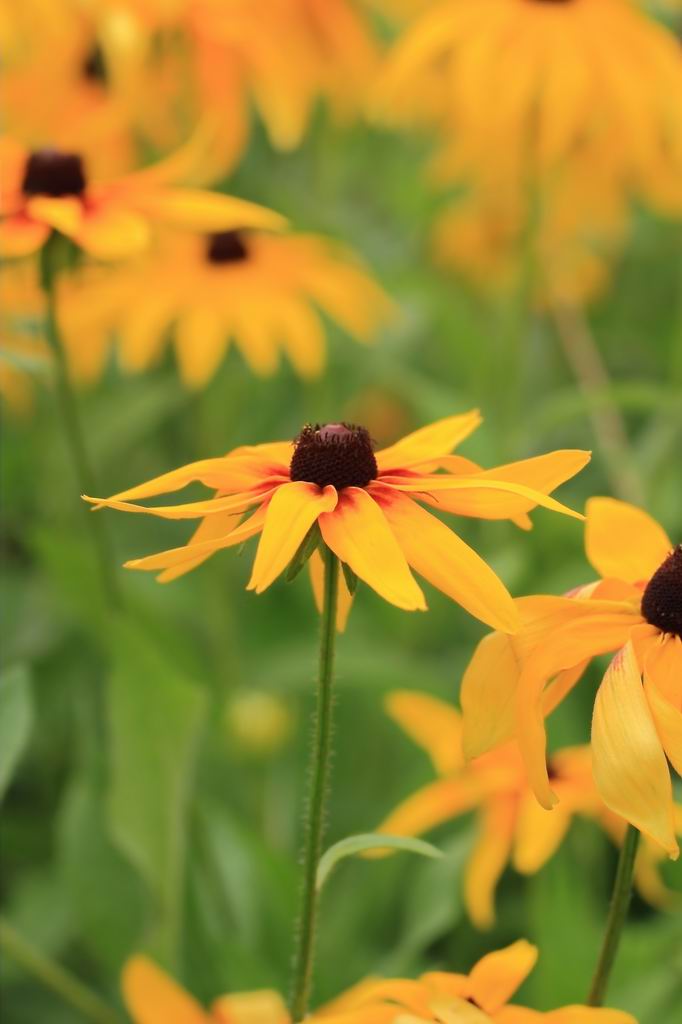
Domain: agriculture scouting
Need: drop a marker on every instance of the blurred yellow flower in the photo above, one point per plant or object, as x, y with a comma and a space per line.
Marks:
478, 997
635, 610
364, 506
564, 76
512, 826
260, 723
24, 356
49, 190
203, 291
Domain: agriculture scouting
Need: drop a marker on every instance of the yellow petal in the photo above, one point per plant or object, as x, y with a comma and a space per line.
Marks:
538, 833
630, 768
488, 860
152, 997
359, 534
663, 690
489, 681
541, 474
212, 528
432, 805
499, 498
496, 977
233, 503
261, 1007
587, 1015
113, 232
63, 213
175, 557
344, 599
447, 562
428, 443
21, 236
291, 512
200, 344
622, 541
432, 724
207, 211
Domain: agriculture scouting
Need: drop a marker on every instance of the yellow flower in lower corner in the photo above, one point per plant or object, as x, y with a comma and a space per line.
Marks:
511, 825
479, 997
202, 291
635, 610
367, 507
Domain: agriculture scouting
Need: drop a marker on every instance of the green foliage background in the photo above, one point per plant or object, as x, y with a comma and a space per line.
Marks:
133, 819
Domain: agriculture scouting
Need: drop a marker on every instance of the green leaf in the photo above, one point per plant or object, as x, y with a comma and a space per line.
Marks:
155, 718
305, 550
16, 719
350, 578
369, 841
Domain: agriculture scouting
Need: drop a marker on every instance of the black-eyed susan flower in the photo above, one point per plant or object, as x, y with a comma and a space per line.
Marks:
567, 75
511, 826
635, 609
256, 290
480, 997
49, 190
367, 506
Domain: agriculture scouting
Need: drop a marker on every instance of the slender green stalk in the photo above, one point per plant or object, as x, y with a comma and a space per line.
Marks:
620, 901
592, 377
55, 977
74, 431
315, 812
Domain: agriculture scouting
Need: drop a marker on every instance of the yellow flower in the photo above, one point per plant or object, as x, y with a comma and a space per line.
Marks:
595, 74
635, 610
49, 190
512, 826
260, 290
364, 507
152, 997
479, 997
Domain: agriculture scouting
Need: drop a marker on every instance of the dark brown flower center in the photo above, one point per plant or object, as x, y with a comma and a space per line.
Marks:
662, 600
94, 67
226, 247
334, 453
52, 173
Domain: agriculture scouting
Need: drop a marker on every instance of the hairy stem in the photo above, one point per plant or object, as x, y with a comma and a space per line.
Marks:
620, 901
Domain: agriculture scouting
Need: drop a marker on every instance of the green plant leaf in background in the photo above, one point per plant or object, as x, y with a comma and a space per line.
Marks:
16, 719
369, 841
155, 718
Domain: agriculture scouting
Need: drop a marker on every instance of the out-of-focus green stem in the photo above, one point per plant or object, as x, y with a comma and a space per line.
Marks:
320, 756
620, 901
53, 976
73, 427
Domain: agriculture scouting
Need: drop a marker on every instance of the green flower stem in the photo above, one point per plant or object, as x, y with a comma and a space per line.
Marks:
315, 813
73, 427
54, 977
620, 901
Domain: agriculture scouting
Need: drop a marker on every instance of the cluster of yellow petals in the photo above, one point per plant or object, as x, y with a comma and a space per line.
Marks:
381, 531
511, 824
637, 724
480, 997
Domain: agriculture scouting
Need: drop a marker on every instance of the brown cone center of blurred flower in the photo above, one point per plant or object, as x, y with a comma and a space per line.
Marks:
662, 600
226, 247
50, 172
334, 453
94, 67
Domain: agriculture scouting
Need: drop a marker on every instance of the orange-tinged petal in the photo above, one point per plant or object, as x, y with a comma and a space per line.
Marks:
64, 213
344, 598
432, 805
229, 473
490, 680
488, 860
447, 562
175, 557
496, 977
264, 1006
291, 512
432, 724
622, 541
542, 474
663, 690
538, 833
152, 997
444, 492
21, 236
194, 510
207, 211
630, 768
359, 534
429, 443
